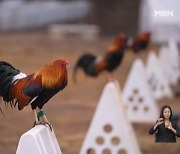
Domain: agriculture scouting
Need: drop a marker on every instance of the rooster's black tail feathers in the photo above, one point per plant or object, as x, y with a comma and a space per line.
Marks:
84, 62
7, 72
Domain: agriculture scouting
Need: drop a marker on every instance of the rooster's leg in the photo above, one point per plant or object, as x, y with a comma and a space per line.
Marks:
110, 77
36, 118
45, 121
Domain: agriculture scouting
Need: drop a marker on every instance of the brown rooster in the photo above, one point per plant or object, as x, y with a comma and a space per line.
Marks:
36, 89
93, 66
140, 43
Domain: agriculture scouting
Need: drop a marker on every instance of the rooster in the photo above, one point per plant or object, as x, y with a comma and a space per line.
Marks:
93, 66
140, 43
17, 88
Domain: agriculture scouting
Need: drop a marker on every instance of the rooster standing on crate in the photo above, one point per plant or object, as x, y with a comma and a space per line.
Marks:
36, 89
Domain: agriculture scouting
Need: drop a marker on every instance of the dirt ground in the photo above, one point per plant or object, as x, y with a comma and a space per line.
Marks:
70, 112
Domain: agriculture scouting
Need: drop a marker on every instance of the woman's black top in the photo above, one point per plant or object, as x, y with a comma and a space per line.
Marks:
164, 134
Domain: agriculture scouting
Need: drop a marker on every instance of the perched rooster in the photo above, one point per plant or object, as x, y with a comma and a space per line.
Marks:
93, 66
36, 89
139, 43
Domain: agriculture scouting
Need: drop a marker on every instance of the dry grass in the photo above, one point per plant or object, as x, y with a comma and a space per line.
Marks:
71, 111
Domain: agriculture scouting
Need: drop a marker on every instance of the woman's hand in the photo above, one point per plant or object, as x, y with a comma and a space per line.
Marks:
169, 126
160, 121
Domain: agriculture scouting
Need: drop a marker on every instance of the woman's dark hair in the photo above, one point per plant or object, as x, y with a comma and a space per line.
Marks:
162, 109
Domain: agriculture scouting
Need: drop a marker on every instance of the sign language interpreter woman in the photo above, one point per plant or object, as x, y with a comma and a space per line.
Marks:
166, 129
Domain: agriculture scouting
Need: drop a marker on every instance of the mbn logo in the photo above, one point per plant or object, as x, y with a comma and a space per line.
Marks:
164, 13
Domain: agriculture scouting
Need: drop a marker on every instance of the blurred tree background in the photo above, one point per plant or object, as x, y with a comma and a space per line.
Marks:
113, 16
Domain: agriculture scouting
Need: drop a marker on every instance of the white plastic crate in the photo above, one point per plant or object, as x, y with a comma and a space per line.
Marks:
38, 140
